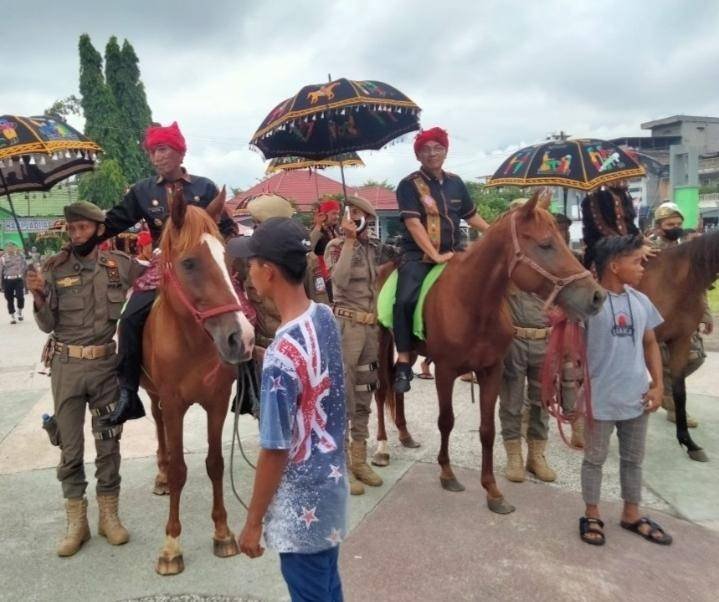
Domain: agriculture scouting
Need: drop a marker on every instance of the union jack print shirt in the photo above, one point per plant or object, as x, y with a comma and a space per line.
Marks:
302, 410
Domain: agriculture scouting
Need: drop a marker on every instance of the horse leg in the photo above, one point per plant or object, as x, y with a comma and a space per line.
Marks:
489, 385
161, 487
224, 543
385, 359
444, 380
170, 561
381, 456
400, 421
679, 392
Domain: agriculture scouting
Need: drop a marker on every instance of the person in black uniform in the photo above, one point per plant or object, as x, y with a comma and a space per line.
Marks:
149, 199
431, 202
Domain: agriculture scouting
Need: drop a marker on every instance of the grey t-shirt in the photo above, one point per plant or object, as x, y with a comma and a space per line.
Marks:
615, 354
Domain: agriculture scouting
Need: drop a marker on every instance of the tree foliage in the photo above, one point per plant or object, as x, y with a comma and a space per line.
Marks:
382, 184
64, 107
105, 186
492, 202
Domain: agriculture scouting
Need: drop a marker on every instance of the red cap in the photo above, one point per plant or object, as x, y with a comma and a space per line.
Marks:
171, 135
435, 134
330, 205
144, 238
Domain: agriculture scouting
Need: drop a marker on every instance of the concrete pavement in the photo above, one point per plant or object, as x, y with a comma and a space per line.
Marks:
413, 539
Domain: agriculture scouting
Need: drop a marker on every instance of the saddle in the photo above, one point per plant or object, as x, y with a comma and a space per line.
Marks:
388, 293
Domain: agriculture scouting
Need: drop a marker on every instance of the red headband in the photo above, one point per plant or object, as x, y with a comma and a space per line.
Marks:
328, 206
144, 238
171, 135
435, 134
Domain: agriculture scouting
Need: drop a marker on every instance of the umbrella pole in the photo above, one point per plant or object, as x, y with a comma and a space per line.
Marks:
564, 192
12, 210
344, 186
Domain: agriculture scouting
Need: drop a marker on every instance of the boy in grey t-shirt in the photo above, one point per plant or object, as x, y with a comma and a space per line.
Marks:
621, 347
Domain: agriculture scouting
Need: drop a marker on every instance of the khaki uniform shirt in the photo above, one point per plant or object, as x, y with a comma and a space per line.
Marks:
526, 309
85, 296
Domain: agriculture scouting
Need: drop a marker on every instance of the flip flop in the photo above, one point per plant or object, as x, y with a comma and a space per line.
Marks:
589, 525
655, 530
424, 376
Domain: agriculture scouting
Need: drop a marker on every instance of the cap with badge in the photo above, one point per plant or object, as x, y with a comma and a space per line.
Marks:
362, 204
83, 210
266, 206
279, 240
667, 210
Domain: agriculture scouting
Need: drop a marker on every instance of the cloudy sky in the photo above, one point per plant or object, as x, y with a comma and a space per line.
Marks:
496, 75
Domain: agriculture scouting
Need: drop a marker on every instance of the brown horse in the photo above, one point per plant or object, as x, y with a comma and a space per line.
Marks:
676, 281
194, 332
468, 324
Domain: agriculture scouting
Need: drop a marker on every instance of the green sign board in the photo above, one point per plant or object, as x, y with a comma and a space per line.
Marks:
687, 199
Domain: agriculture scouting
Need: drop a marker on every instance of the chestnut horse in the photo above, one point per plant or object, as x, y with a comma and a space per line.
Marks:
676, 281
194, 333
468, 324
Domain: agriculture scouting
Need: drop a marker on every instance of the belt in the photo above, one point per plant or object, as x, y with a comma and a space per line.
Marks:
359, 317
532, 334
88, 352
12, 277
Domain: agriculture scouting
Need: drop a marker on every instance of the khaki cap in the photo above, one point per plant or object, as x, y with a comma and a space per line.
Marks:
362, 205
265, 206
83, 210
666, 210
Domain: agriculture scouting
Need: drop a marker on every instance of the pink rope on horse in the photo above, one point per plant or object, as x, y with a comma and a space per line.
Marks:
566, 346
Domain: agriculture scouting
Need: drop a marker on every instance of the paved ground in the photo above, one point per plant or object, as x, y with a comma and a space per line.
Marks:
410, 540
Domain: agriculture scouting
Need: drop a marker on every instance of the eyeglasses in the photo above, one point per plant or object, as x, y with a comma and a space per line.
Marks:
433, 150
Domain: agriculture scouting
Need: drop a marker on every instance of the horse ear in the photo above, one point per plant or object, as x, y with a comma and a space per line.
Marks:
217, 205
530, 206
179, 208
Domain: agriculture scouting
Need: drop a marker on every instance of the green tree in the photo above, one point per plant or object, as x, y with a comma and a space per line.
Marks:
382, 184
64, 107
104, 186
492, 202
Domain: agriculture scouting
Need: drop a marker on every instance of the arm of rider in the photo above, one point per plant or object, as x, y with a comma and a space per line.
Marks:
270, 468
478, 223
653, 397
420, 236
122, 216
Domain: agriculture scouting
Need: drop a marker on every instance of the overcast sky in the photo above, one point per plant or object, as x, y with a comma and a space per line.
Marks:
496, 75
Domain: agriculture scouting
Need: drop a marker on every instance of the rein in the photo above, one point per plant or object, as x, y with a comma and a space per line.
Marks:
521, 257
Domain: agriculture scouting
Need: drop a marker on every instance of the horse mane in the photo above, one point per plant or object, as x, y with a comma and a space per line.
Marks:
175, 241
702, 254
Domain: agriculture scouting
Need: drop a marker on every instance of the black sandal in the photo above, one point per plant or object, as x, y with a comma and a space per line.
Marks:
589, 525
655, 534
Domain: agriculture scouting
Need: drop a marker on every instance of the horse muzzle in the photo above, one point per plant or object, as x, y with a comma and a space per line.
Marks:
233, 336
582, 298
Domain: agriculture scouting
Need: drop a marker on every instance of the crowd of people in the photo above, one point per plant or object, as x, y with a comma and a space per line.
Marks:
314, 295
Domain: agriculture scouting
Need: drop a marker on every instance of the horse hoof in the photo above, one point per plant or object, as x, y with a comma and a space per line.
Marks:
224, 548
161, 489
170, 566
698, 455
409, 442
380, 459
451, 485
499, 505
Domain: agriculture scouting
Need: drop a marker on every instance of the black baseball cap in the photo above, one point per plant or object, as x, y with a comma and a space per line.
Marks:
279, 240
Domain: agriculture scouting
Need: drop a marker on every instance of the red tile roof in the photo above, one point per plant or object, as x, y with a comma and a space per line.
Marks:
304, 187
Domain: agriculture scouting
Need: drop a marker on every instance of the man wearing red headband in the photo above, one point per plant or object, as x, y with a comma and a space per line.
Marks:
431, 202
326, 229
148, 200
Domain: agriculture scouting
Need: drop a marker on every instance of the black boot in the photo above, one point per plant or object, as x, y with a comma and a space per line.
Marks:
128, 407
402, 377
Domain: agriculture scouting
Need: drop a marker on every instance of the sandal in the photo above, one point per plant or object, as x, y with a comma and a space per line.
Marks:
425, 376
655, 534
594, 526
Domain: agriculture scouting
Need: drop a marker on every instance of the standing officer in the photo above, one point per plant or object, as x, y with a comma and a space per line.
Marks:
353, 262
12, 272
78, 299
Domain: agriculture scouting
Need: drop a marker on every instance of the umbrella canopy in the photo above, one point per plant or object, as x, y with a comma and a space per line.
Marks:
289, 163
38, 152
581, 164
337, 117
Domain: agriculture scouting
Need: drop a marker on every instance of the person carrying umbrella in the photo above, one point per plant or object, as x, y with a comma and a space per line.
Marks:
149, 199
431, 202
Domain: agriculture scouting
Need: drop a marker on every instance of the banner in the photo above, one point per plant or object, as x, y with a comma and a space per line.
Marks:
27, 224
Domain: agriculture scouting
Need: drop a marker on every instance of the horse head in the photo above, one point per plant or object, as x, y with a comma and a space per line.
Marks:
542, 263
196, 279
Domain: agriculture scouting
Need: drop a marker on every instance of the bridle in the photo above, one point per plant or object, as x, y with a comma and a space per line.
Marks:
520, 256
200, 316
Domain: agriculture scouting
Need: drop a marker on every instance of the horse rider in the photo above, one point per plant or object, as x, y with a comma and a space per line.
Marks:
353, 261
608, 211
12, 273
150, 199
668, 232
432, 202
325, 229
78, 299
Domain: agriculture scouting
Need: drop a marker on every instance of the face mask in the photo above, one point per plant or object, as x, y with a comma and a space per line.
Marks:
673, 233
361, 225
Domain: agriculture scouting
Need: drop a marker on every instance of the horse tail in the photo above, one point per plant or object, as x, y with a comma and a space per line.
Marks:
385, 390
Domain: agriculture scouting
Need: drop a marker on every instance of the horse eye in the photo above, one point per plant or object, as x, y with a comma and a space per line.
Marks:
545, 245
189, 263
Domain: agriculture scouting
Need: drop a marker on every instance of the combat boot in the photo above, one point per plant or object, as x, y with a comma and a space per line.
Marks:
537, 463
78, 531
109, 525
360, 468
356, 488
515, 464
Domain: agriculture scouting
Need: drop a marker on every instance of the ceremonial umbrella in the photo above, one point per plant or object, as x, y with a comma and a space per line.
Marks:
340, 116
583, 164
290, 163
38, 152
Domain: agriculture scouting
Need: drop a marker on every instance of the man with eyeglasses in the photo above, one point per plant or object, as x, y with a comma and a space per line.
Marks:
432, 202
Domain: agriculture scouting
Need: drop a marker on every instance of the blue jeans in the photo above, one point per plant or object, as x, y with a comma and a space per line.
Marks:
312, 577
